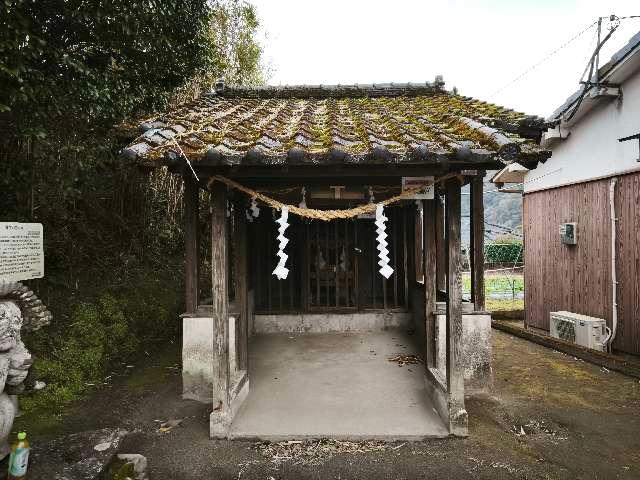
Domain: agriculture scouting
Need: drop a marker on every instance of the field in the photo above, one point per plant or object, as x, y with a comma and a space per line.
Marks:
503, 290
504, 304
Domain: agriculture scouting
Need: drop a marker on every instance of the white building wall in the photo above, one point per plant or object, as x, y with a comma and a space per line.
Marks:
592, 150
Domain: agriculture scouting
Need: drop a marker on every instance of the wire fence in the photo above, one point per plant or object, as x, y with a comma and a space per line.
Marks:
503, 274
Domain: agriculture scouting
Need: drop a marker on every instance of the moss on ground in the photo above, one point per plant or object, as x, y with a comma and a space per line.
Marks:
502, 305
535, 373
101, 336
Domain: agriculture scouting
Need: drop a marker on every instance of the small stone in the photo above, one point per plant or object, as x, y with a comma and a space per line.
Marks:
139, 463
101, 447
143, 127
84, 455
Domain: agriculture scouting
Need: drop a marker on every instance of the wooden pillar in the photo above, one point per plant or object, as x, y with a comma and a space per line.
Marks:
220, 310
455, 375
429, 257
477, 242
441, 268
240, 269
192, 260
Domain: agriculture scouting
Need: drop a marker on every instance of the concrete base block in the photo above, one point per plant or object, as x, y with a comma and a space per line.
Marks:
476, 351
197, 356
436, 391
455, 417
331, 322
458, 421
220, 422
197, 359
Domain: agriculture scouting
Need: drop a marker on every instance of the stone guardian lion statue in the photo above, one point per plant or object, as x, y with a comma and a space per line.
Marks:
20, 311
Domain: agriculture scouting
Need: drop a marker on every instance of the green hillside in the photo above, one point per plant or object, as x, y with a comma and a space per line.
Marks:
500, 209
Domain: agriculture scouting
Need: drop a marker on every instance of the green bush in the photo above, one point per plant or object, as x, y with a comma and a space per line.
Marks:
98, 337
113, 238
504, 249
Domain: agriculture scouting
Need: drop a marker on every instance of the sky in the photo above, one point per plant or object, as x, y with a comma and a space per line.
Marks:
478, 46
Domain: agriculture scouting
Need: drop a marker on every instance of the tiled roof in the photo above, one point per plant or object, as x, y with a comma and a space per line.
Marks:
389, 123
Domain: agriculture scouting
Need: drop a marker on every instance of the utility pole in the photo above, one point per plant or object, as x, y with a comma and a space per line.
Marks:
598, 50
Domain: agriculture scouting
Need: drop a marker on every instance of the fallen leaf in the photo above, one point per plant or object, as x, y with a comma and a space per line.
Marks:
174, 422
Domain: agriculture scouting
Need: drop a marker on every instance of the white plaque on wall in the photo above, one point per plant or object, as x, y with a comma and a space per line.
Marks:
21, 252
412, 182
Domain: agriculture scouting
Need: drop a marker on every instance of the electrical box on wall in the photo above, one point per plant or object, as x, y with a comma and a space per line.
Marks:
569, 233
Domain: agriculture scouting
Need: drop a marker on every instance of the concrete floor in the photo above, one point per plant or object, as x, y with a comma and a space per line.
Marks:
338, 385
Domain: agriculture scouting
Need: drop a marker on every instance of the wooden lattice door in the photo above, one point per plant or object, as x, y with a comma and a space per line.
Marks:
331, 265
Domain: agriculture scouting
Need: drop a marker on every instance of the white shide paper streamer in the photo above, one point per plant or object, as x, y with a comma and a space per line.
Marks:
383, 252
281, 271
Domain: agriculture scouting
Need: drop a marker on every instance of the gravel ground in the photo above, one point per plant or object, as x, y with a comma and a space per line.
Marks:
549, 416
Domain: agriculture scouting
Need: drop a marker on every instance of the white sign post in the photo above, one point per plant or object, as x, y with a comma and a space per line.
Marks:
21, 251
412, 182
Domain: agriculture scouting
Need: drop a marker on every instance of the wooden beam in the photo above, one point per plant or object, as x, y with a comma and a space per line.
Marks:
304, 254
312, 172
325, 227
340, 171
429, 211
441, 267
337, 259
192, 260
317, 260
405, 255
220, 310
347, 260
269, 262
241, 284
477, 242
356, 267
458, 418
394, 224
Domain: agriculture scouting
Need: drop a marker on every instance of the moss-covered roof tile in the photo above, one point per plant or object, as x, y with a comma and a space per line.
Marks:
399, 122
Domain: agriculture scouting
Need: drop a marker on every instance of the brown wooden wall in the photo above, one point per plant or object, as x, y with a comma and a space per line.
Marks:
577, 278
628, 265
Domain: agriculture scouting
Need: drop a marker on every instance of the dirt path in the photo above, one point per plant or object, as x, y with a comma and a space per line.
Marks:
550, 417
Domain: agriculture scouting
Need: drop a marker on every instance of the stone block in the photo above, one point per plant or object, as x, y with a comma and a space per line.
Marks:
197, 358
332, 322
476, 351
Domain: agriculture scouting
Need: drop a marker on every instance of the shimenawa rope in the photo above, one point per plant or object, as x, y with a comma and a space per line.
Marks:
327, 215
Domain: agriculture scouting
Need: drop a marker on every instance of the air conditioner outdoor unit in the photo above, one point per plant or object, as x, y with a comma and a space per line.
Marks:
583, 330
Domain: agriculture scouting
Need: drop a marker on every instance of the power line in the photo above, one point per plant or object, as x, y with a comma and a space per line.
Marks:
508, 229
565, 44
536, 65
484, 193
